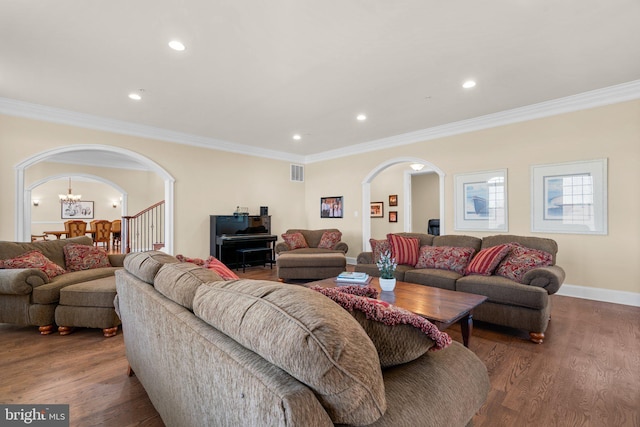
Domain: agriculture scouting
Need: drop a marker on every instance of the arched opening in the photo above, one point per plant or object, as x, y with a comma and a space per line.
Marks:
366, 195
23, 202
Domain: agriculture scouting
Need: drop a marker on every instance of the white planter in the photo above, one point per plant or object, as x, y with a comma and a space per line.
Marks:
387, 284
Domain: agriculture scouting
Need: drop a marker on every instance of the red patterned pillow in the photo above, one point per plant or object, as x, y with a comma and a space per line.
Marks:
196, 261
399, 335
83, 257
379, 247
295, 241
520, 260
487, 260
213, 263
404, 249
34, 259
452, 258
329, 239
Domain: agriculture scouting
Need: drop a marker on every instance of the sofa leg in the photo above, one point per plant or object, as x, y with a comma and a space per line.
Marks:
110, 332
45, 330
65, 330
536, 337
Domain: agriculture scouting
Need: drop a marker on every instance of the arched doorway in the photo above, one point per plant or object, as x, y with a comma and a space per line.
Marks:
23, 202
366, 195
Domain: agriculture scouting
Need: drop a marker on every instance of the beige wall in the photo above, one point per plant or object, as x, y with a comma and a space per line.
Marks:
214, 182
425, 200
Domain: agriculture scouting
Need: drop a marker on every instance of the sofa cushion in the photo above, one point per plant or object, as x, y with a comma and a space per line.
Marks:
399, 335
487, 260
329, 239
34, 259
520, 260
214, 264
295, 240
145, 265
83, 257
196, 261
501, 290
94, 293
404, 249
379, 247
179, 281
305, 334
450, 258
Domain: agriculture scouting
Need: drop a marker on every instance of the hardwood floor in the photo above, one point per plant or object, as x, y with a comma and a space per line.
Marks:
587, 373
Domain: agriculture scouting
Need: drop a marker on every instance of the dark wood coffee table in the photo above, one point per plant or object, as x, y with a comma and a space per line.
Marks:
440, 306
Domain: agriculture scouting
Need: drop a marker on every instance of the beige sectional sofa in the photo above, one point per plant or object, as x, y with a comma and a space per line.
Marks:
518, 305
28, 296
251, 352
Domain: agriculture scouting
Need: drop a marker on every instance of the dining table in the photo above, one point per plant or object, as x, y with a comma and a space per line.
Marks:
59, 234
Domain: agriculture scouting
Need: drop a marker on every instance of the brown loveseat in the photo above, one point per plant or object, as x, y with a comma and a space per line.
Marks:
28, 296
518, 305
310, 262
251, 352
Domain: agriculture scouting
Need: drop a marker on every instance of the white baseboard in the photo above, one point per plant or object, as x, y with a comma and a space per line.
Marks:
599, 294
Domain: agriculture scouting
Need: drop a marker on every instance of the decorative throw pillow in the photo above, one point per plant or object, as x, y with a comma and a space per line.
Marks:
295, 241
404, 249
399, 335
520, 260
379, 247
34, 259
196, 261
329, 239
452, 258
213, 263
83, 257
487, 260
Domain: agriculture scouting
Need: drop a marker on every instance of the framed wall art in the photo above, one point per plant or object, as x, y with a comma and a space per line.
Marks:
331, 207
77, 210
393, 216
377, 209
393, 200
569, 197
481, 201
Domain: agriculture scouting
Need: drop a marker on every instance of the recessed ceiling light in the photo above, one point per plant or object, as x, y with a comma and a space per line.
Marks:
361, 117
468, 84
297, 137
176, 45
135, 96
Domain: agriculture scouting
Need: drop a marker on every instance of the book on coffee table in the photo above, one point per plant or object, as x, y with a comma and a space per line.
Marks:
353, 277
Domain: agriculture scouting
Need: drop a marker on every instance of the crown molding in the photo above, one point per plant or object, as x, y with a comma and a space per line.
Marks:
595, 98
12, 107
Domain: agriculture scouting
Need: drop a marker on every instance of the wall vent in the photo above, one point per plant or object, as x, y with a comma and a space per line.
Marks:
297, 173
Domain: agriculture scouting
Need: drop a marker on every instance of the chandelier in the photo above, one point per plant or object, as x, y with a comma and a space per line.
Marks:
69, 197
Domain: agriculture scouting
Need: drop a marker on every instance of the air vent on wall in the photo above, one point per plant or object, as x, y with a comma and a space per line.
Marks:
297, 173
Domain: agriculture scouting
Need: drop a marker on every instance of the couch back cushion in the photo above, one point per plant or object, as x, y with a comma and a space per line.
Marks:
145, 265
179, 281
542, 244
52, 249
312, 237
458, 240
305, 334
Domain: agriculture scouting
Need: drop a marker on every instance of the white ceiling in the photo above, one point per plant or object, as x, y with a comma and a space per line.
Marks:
256, 72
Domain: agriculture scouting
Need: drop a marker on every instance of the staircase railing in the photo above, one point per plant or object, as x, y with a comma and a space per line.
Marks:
144, 231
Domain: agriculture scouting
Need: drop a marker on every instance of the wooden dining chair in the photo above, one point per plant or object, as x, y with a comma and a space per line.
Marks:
116, 230
75, 228
101, 230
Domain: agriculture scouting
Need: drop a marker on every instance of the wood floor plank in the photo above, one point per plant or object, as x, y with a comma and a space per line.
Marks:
586, 373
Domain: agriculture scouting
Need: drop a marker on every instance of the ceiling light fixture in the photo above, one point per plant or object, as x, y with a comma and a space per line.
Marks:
297, 137
176, 45
468, 84
361, 117
417, 166
69, 197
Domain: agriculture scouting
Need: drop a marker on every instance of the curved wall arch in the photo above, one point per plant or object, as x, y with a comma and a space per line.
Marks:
23, 195
366, 195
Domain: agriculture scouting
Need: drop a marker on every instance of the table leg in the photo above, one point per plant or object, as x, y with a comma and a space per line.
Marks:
466, 326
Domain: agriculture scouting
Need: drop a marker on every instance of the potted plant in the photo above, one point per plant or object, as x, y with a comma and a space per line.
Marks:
387, 267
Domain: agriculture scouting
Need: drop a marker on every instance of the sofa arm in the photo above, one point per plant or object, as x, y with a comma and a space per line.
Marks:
342, 246
117, 260
550, 278
21, 281
281, 247
365, 258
